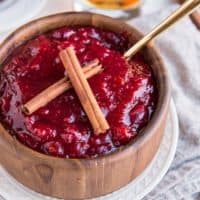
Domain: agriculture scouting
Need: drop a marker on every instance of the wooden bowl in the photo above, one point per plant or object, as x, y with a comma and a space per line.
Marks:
84, 178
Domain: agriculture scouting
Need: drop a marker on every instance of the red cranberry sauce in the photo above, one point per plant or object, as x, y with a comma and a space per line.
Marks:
125, 92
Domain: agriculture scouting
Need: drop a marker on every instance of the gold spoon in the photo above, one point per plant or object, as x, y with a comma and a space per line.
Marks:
185, 9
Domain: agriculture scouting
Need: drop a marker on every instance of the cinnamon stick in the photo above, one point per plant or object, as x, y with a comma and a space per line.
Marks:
83, 90
58, 88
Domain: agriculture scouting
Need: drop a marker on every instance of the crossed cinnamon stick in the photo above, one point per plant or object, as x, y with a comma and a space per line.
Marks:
77, 78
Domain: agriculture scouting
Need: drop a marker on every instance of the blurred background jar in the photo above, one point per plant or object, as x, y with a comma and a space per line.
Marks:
123, 9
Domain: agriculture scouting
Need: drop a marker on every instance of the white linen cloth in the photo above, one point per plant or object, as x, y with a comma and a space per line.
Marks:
180, 50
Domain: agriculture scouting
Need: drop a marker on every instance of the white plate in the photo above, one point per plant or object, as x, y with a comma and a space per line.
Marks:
10, 189
18, 12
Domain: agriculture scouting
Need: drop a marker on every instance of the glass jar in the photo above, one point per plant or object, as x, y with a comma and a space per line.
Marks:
123, 9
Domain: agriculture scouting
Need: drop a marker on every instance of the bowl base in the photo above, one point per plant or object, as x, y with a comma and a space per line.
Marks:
11, 189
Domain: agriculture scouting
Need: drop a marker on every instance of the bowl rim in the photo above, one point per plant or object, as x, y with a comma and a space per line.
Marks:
146, 132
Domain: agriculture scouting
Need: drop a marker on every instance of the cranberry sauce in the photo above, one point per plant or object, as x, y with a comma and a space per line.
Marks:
125, 92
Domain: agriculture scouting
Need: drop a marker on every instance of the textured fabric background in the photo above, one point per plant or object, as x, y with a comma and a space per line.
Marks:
180, 50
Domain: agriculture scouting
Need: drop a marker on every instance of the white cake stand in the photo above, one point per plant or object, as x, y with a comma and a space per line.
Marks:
10, 189
14, 13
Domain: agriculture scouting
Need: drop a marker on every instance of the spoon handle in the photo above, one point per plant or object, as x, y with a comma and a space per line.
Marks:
185, 9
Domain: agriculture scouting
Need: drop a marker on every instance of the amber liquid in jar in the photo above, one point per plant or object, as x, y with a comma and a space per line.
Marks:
115, 4
121, 9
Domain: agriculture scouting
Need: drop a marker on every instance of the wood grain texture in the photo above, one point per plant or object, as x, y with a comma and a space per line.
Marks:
84, 178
